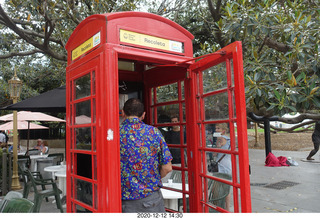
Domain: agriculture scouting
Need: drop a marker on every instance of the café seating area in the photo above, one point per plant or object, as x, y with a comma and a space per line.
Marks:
37, 174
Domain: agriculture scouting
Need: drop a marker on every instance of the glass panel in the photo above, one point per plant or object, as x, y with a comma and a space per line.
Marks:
84, 165
234, 105
95, 196
84, 191
210, 139
94, 143
216, 107
176, 155
185, 158
82, 87
94, 110
182, 90
80, 209
215, 78
223, 166
95, 167
232, 72
93, 83
167, 93
83, 138
166, 112
184, 112
83, 112
219, 194
175, 180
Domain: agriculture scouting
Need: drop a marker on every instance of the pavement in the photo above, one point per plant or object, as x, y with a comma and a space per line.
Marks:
294, 189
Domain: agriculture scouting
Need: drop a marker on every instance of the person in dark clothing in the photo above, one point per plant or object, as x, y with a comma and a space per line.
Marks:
315, 140
173, 137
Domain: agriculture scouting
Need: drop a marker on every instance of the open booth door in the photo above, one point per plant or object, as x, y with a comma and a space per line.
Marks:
218, 100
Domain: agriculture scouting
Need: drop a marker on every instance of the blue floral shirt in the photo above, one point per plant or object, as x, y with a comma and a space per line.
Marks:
142, 151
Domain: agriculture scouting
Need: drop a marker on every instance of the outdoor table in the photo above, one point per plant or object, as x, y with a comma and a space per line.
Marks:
171, 197
55, 169
62, 181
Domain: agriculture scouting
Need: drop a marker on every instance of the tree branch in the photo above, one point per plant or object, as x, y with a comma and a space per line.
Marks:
12, 54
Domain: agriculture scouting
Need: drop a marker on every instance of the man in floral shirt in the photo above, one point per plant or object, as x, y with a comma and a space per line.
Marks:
144, 159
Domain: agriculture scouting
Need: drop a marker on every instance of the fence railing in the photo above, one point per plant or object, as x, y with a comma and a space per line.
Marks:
5, 171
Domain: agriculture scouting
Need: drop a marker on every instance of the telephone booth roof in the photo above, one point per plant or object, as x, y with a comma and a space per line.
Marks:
110, 25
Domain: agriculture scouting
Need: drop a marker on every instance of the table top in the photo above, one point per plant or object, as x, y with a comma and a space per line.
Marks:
61, 174
55, 168
38, 156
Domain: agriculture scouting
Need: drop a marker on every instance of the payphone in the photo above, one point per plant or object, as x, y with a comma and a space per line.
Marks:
116, 56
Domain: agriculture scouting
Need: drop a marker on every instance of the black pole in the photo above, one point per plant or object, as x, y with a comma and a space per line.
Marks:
266, 122
267, 137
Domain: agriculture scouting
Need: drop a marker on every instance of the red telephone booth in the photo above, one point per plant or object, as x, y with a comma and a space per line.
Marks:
116, 56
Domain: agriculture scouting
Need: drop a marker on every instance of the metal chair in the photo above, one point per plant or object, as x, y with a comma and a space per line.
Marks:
18, 205
10, 195
58, 158
40, 195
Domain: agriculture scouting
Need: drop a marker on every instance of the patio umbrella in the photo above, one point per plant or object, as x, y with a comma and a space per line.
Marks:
50, 101
22, 125
31, 116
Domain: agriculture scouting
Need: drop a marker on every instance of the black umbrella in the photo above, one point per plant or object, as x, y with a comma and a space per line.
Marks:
51, 101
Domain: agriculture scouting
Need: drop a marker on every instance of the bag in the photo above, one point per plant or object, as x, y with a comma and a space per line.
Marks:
213, 166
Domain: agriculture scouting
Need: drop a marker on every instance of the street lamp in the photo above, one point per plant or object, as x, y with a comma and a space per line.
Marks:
15, 90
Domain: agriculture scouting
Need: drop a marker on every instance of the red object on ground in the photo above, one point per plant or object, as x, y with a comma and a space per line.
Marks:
273, 161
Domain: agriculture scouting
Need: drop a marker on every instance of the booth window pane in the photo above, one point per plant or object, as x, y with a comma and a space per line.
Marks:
95, 196
82, 87
95, 167
93, 83
166, 112
216, 107
217, 192
84, 165
214, 135
80, 209
215, 78
94, 110
167, 93
224, 165
232, 72
83, 112
182, 90
84, 191
83, 138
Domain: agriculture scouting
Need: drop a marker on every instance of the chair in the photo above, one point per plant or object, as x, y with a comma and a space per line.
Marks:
58, 157
39, 195
26, 182
218, 191
18, 205
10, 195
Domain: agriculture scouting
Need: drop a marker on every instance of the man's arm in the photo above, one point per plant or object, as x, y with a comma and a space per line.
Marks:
165, 169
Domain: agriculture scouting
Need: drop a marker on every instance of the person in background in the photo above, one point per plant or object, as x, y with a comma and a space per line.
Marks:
224, 165
173, 137
315, 140
3, 139
144, 160
43, 149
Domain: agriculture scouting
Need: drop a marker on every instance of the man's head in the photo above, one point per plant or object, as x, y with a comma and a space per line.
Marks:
39, 141
133, 107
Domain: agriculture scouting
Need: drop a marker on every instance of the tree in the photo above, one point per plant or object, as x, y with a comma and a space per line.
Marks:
33, 37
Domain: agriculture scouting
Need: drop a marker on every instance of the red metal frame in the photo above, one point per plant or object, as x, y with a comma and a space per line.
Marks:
173, 67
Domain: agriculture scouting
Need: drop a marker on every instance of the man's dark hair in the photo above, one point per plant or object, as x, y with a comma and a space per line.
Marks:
133, 107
